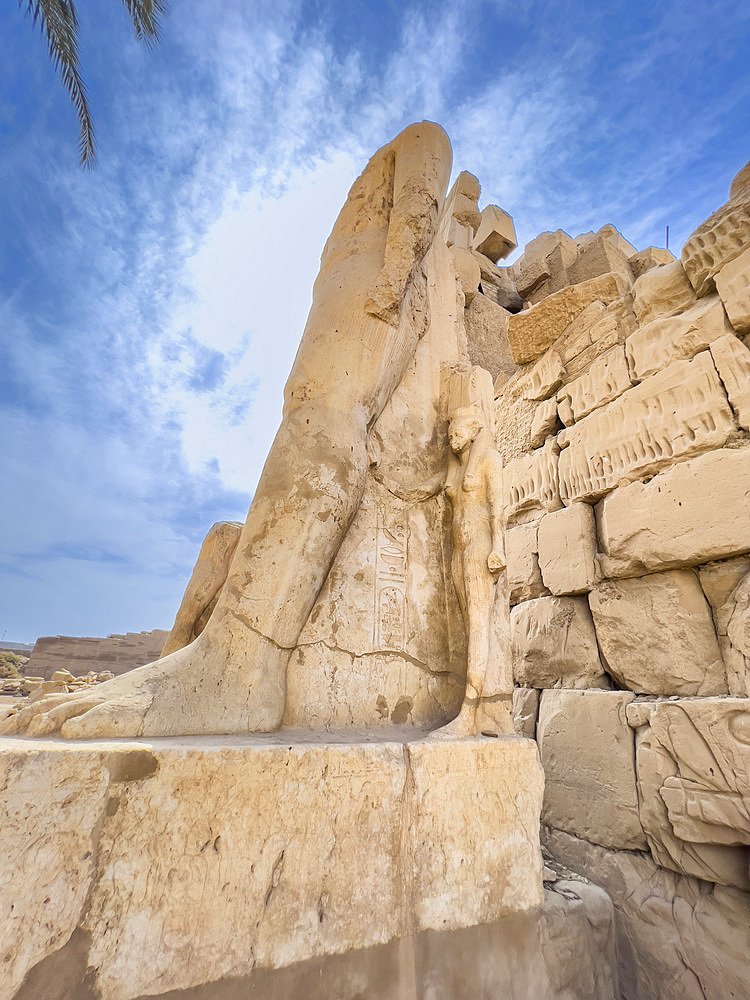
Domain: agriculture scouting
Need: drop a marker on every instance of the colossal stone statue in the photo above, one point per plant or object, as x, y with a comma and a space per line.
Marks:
368, 314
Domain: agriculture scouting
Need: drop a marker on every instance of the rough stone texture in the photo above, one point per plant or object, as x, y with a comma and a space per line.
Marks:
673, 338
600, 256
690, 514
487, 336
727, 588
588, 755
554, 644
532, 331
733, 286
200, 861
567, 547
648, 258
117, 653
677, 938
467, 272
693, 766
606, 379
514, 414
496, 234
720, 239
497, 284
679, 412
531, 483
521, 554
662, 291
656, 634
525, 711
546, 375
732, 360
545, 422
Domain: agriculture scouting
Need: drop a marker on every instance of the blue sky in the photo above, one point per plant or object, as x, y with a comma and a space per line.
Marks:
150, 309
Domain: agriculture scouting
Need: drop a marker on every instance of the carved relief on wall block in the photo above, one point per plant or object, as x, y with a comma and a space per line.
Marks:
680, 411
693, 766
530, 483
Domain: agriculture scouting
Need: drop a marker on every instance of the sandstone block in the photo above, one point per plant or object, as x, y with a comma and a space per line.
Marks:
662, 291
200, 863
656, 634
524, 576
487, 336
530, 484
587, 751
531, 274
733, 286
679, 412
600, 255
606, 379
525, 709
496, 235
648, 258
532, 331
467, 272
693, 766
554, 644
727, 587
497, 283
732, 360
546, 375
673, 338
545, 422
678, 938
567, 547
719, 240
692, 513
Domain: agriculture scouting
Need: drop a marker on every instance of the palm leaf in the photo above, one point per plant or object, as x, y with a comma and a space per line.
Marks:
59, 24
145, 16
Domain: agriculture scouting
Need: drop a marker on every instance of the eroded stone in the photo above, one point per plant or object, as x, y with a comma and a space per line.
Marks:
554, 644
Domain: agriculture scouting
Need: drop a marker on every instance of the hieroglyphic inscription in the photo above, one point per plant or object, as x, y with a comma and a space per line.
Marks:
389, 623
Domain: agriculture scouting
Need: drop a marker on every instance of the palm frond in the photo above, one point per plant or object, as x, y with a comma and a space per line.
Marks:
145, 15
59, 24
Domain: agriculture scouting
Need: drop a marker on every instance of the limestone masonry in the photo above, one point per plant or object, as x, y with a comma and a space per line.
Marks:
501, 498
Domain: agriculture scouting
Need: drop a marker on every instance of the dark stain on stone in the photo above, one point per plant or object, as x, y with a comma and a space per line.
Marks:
400, 713
131, 765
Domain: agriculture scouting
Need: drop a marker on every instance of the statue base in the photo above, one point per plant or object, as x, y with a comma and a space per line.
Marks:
130, 869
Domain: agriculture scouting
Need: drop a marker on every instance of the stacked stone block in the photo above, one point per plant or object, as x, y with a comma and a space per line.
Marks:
628, 545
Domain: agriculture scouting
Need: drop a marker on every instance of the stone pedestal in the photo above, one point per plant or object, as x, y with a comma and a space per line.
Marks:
131, 869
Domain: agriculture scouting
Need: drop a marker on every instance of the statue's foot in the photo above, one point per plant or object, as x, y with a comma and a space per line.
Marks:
462, 726
198, 690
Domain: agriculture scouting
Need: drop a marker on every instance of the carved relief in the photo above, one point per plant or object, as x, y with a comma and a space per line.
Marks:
389, 620
721, 238
606, 379
530, 483
681, 411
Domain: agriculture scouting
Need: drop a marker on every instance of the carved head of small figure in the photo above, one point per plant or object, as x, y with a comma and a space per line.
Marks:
465, 425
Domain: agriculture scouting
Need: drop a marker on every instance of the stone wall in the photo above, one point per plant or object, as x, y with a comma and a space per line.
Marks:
627, 494
80, 654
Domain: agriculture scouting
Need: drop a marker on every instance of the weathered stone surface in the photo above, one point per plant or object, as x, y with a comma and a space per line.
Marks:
693, 766
496, 234
732, 360
531, 274
521, 554
727, 587
720, 239
497, 284
567, 547
467, 272
203, 861
648, 258
679, 412
532, 331
587, 751
733, 286
204, 587
657, 636
672, 338
525, 710
677, 938
554, 644
487, 336
600, 256
662, 291
692, 513
546, 375
531, 483
606, 379
545, 422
